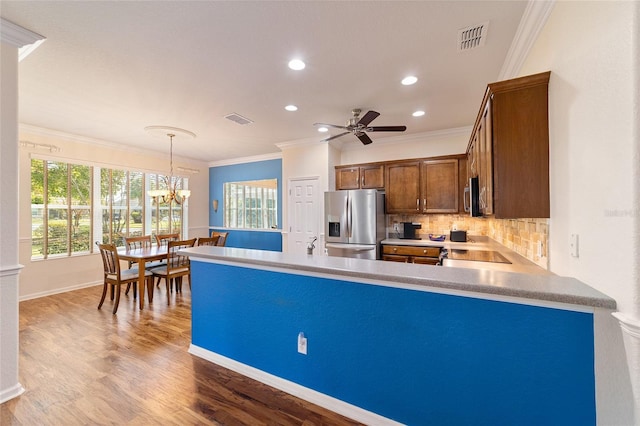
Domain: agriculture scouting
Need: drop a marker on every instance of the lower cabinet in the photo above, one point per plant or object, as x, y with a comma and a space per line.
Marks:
411, 254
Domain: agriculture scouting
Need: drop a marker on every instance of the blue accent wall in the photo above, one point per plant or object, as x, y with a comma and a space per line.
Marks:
268, 240
268, 169
418, 358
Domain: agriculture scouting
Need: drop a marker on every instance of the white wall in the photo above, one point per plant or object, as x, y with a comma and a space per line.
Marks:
430, 144
591, 49
306, 160
44, 277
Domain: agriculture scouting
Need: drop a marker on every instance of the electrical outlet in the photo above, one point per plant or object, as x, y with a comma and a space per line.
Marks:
395, 227
302, 343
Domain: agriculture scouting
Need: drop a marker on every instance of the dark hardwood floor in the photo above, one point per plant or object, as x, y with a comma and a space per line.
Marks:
82, 366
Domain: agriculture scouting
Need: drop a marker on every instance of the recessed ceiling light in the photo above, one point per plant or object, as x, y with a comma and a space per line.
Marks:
323, 129
296, 64
418, 114
408, 81
291, 108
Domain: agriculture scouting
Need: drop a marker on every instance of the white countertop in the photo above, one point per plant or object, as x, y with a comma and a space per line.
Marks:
481, 281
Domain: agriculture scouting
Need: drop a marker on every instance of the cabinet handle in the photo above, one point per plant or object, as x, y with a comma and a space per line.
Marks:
424, 205
362, 181
395, 249
424, 251
417, 204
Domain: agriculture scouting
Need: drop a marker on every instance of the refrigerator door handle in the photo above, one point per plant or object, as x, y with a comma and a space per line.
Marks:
349, 218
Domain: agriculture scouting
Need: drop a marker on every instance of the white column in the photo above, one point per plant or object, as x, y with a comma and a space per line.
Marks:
12, 37
631, 335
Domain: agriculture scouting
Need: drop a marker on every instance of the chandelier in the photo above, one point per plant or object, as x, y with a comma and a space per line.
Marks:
171, 193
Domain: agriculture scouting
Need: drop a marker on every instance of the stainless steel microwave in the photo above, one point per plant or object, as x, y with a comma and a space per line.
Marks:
472, 198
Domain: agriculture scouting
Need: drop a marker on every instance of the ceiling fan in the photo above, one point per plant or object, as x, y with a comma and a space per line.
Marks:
359, 126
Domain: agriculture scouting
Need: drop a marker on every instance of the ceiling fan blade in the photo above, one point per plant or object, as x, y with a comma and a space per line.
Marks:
366, 140
334, 137
386, 129
368, 118
331, 125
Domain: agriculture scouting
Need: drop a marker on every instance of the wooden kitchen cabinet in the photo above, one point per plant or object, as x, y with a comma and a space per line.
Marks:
428, 185
411, 254
509, 148
439, 183
362, 176
402, 188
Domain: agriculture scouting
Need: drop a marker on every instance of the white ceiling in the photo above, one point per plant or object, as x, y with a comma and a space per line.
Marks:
108, 69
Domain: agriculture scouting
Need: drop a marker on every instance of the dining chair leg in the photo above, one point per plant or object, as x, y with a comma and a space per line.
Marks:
112, 292
126, 292
104, 294
115, 305
168, 290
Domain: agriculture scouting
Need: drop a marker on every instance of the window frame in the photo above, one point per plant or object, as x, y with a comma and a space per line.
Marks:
97, 210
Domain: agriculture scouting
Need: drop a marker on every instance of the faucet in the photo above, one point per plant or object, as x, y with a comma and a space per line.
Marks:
311, 245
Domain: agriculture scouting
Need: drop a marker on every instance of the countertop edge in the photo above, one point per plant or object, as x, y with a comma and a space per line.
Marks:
534, 287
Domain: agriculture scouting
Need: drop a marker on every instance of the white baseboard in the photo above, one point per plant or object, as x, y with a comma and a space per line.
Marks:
325, 401
12, 392
58, 290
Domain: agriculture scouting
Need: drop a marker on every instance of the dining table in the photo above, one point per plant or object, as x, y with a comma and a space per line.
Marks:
142, 256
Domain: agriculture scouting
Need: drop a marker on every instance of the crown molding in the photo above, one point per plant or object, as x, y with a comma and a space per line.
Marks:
300, 142
16, 35
533, 20
63, 136
243, 160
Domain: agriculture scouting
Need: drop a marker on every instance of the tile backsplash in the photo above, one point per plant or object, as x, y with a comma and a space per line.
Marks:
524, 236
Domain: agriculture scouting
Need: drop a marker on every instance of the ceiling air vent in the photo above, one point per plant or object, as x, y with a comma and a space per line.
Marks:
237, 118
472, 37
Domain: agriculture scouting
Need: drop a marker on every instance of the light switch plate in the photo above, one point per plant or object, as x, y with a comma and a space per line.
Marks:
573, 245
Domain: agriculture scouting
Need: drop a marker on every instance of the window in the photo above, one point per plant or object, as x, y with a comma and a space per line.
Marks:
60, 208
251, 204
73, 205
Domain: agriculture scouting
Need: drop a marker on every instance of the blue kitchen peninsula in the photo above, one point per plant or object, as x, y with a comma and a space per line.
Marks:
392, 343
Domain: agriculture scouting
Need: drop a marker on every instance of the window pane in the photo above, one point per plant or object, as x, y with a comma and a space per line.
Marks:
105, 203
136, 203
250, 204
37, 208
80, 208
57, 192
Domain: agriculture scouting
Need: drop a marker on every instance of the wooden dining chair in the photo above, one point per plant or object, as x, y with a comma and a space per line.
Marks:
208, 241
177, 266
114, 277
222, 237
163, 239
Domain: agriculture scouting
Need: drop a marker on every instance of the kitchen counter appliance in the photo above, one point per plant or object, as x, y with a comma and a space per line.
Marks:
410, 230
475, 255
354, 223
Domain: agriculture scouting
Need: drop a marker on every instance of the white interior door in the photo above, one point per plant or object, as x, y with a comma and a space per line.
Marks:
305, 211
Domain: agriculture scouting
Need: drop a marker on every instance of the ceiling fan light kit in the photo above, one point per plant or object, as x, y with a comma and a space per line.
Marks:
360, 126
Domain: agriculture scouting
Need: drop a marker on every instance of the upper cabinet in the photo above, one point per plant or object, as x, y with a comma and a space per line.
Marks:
361, 176
402, 189
429, 185
509, 148
439, 182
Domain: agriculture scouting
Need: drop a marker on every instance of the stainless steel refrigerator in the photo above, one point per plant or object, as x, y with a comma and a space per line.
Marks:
354, 223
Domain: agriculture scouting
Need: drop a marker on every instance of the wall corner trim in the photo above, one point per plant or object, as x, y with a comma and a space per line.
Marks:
16, 35
533, 20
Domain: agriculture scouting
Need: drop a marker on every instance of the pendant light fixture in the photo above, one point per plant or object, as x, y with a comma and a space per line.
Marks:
171, 193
